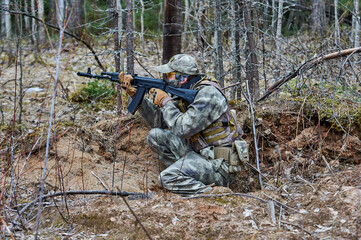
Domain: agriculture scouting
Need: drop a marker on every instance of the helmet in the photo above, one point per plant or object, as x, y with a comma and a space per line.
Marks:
181, 63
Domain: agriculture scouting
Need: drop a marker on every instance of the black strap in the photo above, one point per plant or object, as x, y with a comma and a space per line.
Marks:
192, 81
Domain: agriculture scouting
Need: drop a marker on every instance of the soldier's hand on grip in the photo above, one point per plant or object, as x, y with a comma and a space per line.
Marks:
160, 98
125, 82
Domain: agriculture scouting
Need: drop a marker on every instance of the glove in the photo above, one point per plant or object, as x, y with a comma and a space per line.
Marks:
125, 82
160, 97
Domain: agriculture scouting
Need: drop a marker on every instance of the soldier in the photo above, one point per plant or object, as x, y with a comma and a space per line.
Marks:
196, 141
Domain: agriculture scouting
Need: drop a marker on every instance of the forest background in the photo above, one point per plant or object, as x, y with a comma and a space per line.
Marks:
54, 134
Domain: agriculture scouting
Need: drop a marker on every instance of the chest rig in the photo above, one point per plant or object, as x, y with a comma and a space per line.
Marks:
223, 132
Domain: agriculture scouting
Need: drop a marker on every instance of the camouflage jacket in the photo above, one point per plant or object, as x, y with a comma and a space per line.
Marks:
208, 106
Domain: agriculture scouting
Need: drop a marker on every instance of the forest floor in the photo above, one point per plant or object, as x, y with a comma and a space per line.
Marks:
311, 173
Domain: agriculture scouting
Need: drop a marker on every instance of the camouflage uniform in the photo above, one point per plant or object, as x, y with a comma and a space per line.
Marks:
188, 172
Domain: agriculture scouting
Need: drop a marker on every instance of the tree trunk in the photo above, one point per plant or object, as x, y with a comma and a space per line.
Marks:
278, 37
34, 29
142, 25
60, 13
6, 21
186, 19
41, 28
26, 19
129, 37
172, 29
236, 59
274, 15
201, 38
74, 12
19, 63
117, 47
318, 17
337, 26
218, 56
251, 58
356, 23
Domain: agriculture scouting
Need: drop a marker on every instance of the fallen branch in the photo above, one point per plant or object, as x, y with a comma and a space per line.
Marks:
105, 186
306, 66
282, 204
76, 192
297, 226
227, 194
56, 28
7, 228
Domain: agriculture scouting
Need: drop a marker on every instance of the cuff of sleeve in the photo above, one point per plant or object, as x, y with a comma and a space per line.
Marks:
166, 100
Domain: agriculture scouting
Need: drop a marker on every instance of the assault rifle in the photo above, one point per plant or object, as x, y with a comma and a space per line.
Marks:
143, 85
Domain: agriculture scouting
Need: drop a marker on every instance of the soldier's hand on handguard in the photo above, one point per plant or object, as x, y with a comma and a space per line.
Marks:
160, 98
125, 82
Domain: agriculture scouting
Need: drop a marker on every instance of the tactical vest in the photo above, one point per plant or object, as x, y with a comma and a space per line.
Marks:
223, 132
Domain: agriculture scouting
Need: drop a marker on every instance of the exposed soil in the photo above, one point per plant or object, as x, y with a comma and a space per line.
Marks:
303, 196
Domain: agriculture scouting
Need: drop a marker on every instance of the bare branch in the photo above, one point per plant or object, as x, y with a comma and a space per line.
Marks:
65, 32
306, 66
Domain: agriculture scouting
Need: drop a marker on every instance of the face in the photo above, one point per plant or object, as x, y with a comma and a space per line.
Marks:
176, 79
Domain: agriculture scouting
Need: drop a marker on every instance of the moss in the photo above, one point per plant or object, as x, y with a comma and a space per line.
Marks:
96, 222
340, 109
222, 201
95, 95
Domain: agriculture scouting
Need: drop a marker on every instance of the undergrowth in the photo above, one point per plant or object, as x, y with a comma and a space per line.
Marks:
97, 94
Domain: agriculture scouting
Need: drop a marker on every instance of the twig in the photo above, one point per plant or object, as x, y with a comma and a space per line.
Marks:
227, 194
7, 229
328, 166
249, 99
271, 207
76, 192
136, 218
307, 182
103, 184
55, 27
306, 66
282, 204
297, 226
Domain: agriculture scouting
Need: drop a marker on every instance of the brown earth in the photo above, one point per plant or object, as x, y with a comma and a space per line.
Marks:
312, 187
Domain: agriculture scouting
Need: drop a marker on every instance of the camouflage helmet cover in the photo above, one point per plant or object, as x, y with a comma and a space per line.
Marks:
181, 63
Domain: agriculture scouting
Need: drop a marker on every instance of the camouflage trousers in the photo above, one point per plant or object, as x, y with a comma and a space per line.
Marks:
187, 172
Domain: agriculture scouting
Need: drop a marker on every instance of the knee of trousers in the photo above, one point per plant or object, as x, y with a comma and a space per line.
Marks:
153, 136
167, 176
151, 140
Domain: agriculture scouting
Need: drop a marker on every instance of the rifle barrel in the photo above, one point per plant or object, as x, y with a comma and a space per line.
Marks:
88, 75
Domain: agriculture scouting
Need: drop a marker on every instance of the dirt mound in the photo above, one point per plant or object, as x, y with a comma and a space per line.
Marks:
312, 186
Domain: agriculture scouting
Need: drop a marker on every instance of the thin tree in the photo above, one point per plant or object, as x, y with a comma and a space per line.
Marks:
337, 26
236, 58
41, 16
318, 17
142, 24
252, 75
199, 10
26, 19
186, 22
118, 24
278, 37
356, 23
172, 29
74, 13
6, 21
130, 37
60, 13
218, 46
34, 30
